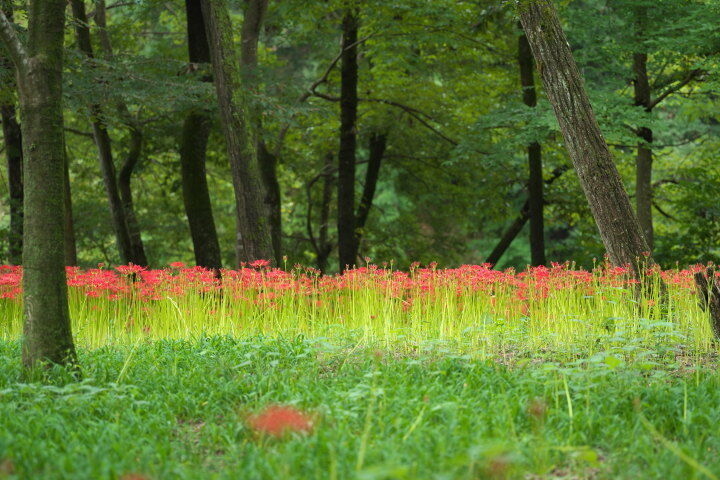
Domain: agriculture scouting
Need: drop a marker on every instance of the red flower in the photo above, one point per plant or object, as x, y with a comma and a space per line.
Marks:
278, 420
129, 269
177, 265
260, 263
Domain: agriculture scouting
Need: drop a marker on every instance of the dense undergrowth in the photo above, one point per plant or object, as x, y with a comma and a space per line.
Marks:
438, 374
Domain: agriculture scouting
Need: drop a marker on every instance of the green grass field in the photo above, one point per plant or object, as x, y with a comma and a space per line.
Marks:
178, 409
462, 374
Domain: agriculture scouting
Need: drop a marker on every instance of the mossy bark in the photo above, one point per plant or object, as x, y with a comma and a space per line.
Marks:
588, 150
253, 239
47, 332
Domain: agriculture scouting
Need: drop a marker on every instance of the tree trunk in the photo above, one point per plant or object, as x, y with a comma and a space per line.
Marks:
193, 145
13, 152
47, 336
70, 241
249, 39
588, 150
324, 245
510, 234
347, 240
536, 201
378, 143
125, 188
104, 144
254, 239
644, 159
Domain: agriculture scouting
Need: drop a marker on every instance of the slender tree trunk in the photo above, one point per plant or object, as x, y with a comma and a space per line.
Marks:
516, 227
588, 150
70, 241
536, 201
377, 146
324, 245
193, 146
510, 234
249, 39
104, 144
347, 240
125, 188
254, 239
124, 178
644, 159
13, 151
47, 332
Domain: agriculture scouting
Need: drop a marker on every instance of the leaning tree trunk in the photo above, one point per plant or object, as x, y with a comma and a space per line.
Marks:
47, 335
588, 150
193, 146
254, 239
13, 152
104, 144
536, 201
124, 178
377, 146
249, 38
125, 188
347, 241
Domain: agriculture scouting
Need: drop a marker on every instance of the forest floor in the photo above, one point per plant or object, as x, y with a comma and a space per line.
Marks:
186, 409
466, 373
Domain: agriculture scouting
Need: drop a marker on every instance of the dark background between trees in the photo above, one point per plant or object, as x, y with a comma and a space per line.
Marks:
403, 123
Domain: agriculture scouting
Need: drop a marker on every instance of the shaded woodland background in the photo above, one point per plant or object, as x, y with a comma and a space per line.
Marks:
443, 128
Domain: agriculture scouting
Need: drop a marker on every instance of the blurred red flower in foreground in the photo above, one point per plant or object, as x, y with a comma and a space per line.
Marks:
277, 420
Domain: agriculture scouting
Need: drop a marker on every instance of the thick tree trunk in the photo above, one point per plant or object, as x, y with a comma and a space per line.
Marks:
644, 159
47, 333
588, 150
125, 188
70, 241
254, 239
249, 39
377, 146
347, 236
13, 153
193, 145
536, 201
104, 145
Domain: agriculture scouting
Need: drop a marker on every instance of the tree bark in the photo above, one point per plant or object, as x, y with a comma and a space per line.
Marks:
347, 236
536, 201
13, 152
47, 332
193, 146
125, 188
104, 145
249, 38
588, 150
644, 159
377, 146
254, 239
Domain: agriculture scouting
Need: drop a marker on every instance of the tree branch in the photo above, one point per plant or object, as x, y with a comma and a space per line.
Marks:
692, 75
12, 42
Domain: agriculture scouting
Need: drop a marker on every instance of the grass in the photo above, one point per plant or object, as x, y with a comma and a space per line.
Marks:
178, 409
437, 374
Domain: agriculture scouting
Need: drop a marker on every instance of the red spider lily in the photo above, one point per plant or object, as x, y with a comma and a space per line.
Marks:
260, 263
278, 420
